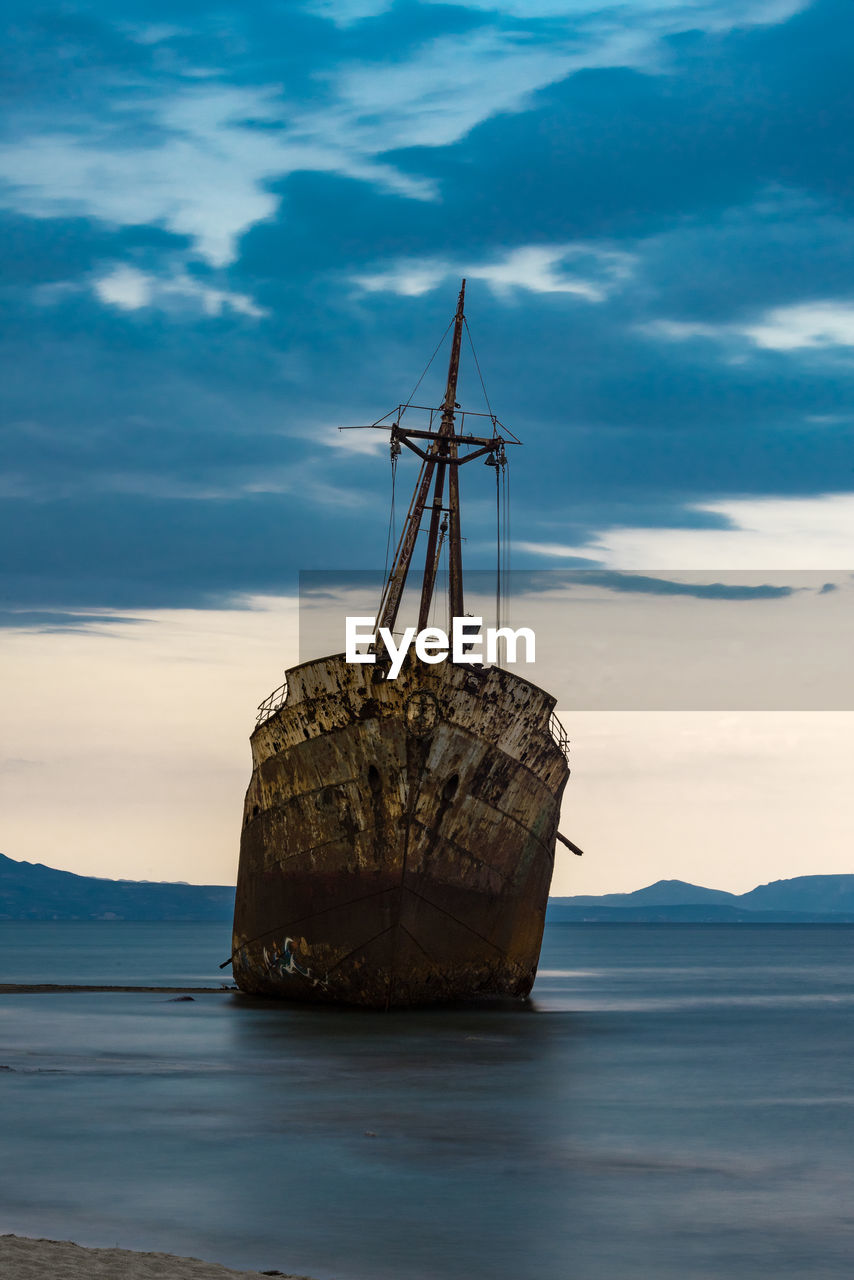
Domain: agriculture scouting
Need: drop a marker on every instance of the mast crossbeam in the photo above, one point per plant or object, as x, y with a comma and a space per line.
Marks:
489, 446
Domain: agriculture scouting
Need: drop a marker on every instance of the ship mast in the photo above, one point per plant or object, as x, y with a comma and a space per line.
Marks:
440, 463
446, 449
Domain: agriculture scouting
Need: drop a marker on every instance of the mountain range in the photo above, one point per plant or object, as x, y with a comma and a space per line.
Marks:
804, 899
31, 891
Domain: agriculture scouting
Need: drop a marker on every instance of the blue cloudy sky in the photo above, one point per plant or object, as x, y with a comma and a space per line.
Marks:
227, 230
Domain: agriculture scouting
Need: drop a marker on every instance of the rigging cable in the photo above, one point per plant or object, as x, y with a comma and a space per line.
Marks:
510, 549
507, 546
445, 594
392, 532
498, 475
439, 577
426, 367
394, 563
479, 374
502, 501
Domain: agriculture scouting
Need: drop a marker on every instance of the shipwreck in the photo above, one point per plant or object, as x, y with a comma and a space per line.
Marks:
398, 835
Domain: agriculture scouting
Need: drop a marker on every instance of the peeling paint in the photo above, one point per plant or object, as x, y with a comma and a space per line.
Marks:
402, 832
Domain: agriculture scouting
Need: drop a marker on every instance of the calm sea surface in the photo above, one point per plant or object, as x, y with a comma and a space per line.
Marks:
676, 1101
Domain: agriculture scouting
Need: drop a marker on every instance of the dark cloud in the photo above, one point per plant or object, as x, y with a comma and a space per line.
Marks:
54, 620
643, 584
699, 155
37, 251
327, 584
81, 55
167, 455
608, 154
615, 152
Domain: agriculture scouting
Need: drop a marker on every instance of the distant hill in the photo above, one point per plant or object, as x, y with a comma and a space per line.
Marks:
664, 893
30, 891
804, 899
803, 893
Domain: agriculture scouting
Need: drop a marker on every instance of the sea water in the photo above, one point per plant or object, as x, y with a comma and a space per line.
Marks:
675, 1101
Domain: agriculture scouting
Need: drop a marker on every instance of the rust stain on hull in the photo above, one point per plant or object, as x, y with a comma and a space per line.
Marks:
398, 836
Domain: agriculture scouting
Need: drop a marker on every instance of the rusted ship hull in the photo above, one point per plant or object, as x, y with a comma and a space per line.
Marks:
398, 836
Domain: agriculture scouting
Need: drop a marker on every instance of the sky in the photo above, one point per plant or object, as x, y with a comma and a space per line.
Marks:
228, 231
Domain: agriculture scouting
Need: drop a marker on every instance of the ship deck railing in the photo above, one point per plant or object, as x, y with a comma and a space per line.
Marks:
271, 704
559, 734
278, 698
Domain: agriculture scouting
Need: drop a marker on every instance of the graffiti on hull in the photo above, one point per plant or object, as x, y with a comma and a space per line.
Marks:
283, 960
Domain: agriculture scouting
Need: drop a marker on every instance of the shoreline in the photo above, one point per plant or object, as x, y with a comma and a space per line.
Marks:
31, 988
29, 1258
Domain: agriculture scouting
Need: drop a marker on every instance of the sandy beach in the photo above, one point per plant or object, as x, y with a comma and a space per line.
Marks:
23, 1259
